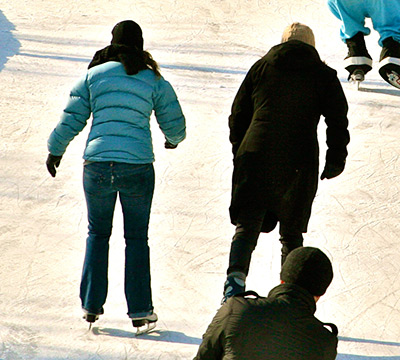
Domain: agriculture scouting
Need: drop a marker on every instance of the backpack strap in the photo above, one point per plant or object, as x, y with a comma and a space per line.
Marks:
249, 293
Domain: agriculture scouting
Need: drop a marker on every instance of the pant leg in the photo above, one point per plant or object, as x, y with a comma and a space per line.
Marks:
290, 240
243, 244
385, 16
136, 186
352, 13
100, 200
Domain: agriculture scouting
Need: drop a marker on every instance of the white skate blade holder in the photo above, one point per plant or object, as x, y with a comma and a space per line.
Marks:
357, 79
145, 329
144, 325
358, 75
389, 69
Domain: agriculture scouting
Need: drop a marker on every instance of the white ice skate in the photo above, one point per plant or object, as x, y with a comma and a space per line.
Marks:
145, 324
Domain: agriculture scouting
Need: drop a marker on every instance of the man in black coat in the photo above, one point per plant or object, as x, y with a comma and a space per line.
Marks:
281, 326
273, 131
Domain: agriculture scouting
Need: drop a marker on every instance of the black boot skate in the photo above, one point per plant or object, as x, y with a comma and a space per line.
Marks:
389, 63
358, 61
90, 317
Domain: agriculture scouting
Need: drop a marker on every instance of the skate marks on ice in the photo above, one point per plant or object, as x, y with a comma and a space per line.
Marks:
371, 86
16, 340
155, 335
386, 91
390, 349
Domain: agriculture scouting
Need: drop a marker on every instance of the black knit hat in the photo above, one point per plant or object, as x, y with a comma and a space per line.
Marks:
309, 268
127, 33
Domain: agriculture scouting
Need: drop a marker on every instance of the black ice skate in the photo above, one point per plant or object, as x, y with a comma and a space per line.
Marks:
358, 61
389, 63
144, 324
90, 318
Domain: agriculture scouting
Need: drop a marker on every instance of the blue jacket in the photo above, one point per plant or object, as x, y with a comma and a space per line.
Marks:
121, 106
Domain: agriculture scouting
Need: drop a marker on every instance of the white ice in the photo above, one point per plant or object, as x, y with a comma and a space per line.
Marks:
205, 49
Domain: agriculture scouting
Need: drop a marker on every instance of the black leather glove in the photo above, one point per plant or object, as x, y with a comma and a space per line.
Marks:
168, 145
52, 163
331, 171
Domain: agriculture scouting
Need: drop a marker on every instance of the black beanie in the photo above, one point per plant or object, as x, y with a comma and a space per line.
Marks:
309, 268
127, 33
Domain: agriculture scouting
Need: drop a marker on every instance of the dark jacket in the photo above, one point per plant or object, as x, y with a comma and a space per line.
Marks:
281, 326
273, 131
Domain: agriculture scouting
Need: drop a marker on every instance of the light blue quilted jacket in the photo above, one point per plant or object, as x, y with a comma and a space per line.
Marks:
121, 106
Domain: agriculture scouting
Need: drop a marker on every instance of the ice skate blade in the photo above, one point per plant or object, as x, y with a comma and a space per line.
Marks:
357, 77
145, 329
356, 82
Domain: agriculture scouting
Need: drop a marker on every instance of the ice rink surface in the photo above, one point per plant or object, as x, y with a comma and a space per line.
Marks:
204, 50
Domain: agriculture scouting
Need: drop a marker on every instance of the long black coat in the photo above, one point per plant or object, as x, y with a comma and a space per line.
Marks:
273, 131
281, 326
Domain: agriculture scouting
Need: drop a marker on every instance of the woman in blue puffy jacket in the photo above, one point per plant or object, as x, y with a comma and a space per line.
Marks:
121, 89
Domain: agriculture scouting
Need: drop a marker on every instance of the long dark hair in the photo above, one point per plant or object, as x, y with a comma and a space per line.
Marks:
151, 63
131, 57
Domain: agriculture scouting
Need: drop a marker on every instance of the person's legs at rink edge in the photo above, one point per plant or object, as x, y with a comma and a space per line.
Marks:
385, 17
352, 14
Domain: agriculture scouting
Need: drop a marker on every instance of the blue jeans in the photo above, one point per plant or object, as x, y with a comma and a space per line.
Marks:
134, 183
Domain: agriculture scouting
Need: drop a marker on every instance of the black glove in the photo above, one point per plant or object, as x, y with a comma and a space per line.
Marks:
52, 162
168, 145
331, 171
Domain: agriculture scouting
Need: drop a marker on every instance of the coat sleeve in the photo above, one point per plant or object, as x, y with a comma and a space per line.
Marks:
335, 112
73, 119
213, 344
241, 112
169, 113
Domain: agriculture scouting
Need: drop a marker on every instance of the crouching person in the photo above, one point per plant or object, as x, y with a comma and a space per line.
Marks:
280, 326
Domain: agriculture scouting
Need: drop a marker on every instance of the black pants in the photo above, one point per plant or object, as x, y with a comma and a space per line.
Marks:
245, 241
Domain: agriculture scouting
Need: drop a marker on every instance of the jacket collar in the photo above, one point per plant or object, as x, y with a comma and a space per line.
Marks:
294, 291
293, 55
